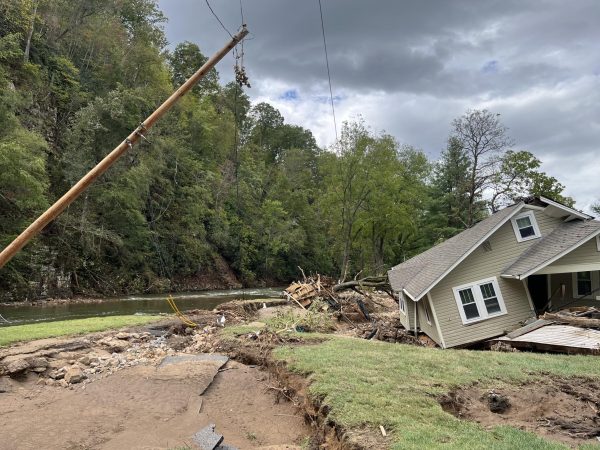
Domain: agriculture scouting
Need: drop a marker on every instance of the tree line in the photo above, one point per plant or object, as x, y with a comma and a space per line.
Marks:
221, 184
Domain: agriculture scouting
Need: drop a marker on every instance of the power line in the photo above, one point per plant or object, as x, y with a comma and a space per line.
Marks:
217, 17
328, 72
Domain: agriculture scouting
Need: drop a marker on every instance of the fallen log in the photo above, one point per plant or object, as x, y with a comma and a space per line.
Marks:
381, 282
581, 322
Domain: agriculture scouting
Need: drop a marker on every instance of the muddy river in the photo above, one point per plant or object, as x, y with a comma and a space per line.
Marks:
134, 304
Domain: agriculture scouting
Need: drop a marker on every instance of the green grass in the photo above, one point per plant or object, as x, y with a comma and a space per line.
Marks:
375, 383
42, 330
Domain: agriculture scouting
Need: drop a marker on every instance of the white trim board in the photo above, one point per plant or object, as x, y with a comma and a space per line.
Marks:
436, 320
569, 268
571, 211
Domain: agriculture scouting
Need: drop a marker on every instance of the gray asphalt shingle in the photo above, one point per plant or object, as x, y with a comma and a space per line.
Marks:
419, 274
563, 237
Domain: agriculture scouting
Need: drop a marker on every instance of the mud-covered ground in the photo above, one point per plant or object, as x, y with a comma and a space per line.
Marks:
139, 389
156, 386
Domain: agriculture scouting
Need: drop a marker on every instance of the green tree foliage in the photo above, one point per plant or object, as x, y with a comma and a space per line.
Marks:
519, 176
221, 183
375, 193
449, 204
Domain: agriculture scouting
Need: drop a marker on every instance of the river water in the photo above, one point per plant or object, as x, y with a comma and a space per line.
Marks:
134, 304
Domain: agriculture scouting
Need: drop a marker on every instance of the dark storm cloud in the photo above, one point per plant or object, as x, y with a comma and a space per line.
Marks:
410, 67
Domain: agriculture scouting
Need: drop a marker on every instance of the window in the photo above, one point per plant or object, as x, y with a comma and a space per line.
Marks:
598, 243
427, 313
525, 226
402, 303
584, 283
479, 301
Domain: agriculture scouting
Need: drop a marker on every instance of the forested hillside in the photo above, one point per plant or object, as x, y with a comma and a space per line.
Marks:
224, 190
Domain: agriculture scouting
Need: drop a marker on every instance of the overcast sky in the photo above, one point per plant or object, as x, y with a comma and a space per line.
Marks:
410, 67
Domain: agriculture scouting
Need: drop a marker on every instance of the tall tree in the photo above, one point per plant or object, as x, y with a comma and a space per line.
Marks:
450, 192
484, 139
519, 176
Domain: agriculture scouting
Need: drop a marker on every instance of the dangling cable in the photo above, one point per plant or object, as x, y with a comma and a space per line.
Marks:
328, 72
217, 17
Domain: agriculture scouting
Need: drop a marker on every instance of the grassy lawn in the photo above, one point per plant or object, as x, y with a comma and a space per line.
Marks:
42, 330
394, 385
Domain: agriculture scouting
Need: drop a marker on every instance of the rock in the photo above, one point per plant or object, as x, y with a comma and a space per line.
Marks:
38, 362
74, 375
123, 335
57, 374
498, 403
85, 360
17, 367
5, 385
115, 345
50, 382
38, 369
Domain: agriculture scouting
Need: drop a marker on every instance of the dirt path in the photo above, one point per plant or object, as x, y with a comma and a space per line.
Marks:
151, 407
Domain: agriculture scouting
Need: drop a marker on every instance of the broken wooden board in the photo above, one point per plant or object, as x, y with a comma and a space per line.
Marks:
557, 338
529, 327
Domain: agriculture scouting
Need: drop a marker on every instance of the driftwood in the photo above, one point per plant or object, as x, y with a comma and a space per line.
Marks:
582, 322
314, 287
376, 282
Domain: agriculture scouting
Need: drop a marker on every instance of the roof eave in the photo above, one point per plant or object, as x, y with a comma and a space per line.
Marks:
557, 257
571, 212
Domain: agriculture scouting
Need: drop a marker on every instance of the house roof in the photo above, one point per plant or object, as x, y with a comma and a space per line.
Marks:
562, 240
420, 274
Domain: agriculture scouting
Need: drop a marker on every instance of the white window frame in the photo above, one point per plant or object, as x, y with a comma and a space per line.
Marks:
598, 242
595, 285
481, 308
427, 312
536, 228
402, 303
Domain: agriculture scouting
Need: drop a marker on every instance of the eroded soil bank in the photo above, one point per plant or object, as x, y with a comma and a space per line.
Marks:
565, 410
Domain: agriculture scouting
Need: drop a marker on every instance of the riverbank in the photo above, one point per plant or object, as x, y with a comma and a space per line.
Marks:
136, 304
21, 333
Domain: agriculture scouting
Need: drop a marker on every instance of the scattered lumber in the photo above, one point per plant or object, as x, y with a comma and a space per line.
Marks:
355, 305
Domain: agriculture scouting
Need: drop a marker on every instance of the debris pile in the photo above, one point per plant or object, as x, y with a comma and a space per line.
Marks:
387, 327
366, 305
356, 304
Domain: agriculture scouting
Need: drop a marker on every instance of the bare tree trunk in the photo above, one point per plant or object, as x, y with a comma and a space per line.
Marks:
30, 34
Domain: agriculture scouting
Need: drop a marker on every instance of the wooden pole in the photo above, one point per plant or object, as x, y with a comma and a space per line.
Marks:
61, 204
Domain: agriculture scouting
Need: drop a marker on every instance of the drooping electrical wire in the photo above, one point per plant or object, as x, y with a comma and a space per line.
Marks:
218, 20
328, 71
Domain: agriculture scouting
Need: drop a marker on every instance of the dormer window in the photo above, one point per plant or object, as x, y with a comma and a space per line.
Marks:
526, 227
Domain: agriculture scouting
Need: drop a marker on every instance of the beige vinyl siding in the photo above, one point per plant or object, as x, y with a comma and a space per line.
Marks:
480, 265
430, 330
559, 300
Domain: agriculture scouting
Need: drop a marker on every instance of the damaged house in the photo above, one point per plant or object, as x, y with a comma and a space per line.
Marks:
523, 260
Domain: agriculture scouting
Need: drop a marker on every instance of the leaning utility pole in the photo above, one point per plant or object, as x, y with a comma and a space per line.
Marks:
61, 204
